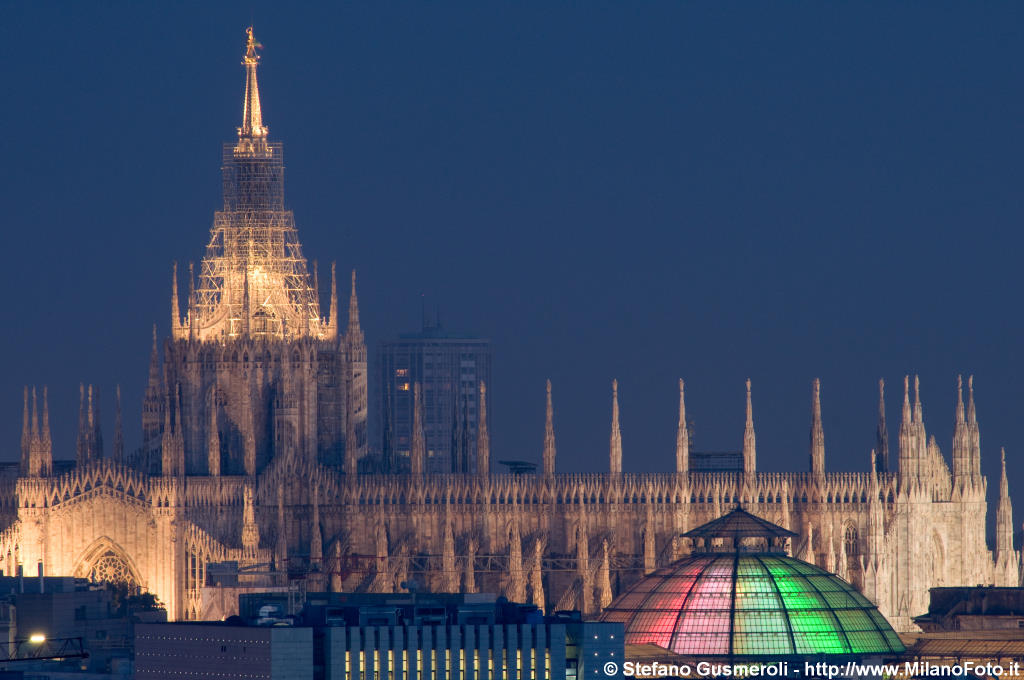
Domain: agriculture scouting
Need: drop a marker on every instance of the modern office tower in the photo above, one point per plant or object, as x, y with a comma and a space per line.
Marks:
449, 369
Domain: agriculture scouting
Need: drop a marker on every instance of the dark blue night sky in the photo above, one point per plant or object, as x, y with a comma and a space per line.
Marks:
644, 191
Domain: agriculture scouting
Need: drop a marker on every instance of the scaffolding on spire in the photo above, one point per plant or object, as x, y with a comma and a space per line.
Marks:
254, 248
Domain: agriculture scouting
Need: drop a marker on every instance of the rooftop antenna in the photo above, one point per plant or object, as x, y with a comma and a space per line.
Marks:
423, 310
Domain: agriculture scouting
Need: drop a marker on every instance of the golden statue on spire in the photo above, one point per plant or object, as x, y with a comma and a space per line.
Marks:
251, 46
252, 117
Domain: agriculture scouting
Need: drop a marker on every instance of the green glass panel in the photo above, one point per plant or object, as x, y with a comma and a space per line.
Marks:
762, 643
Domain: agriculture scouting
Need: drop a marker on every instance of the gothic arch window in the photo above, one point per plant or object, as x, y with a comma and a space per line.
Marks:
105, 562
111, 568
852, 541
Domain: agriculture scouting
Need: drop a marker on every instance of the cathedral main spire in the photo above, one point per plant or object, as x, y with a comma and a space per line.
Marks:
252, 115
253, 281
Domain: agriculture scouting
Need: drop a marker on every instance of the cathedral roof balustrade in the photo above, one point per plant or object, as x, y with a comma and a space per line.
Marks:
214, 491
103, 474
576, 489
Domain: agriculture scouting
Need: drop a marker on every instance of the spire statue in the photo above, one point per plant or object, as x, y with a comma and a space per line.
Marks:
908, 452
1007, 561
175, 307
615, 444
418, 449
537, 575
882, 433
96, 423
749, 440
817, 431
45, 458
483, 439
36, 445
682, 435
355, 419
924, 467
81, 441
35, 415
604, 583
332, 322
515, 591
354, 332
583, 566
961, 445
469, 568
973, 435
449, 574
549, 435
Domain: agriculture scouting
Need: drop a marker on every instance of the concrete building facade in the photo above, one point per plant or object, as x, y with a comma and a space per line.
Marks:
450, 369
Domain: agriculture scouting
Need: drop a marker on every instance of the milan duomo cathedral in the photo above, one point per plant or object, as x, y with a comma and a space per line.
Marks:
255, 418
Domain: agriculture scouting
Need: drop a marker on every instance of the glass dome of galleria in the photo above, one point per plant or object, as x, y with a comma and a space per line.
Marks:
750, 602
756, 604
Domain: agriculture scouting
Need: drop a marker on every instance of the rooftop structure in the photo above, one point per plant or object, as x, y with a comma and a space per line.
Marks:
356, 636
977, 608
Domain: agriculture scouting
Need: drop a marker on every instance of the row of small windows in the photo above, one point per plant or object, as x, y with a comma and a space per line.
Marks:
421, 664
574, 500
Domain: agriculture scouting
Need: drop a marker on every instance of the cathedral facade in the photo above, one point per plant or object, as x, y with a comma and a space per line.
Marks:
254, 422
